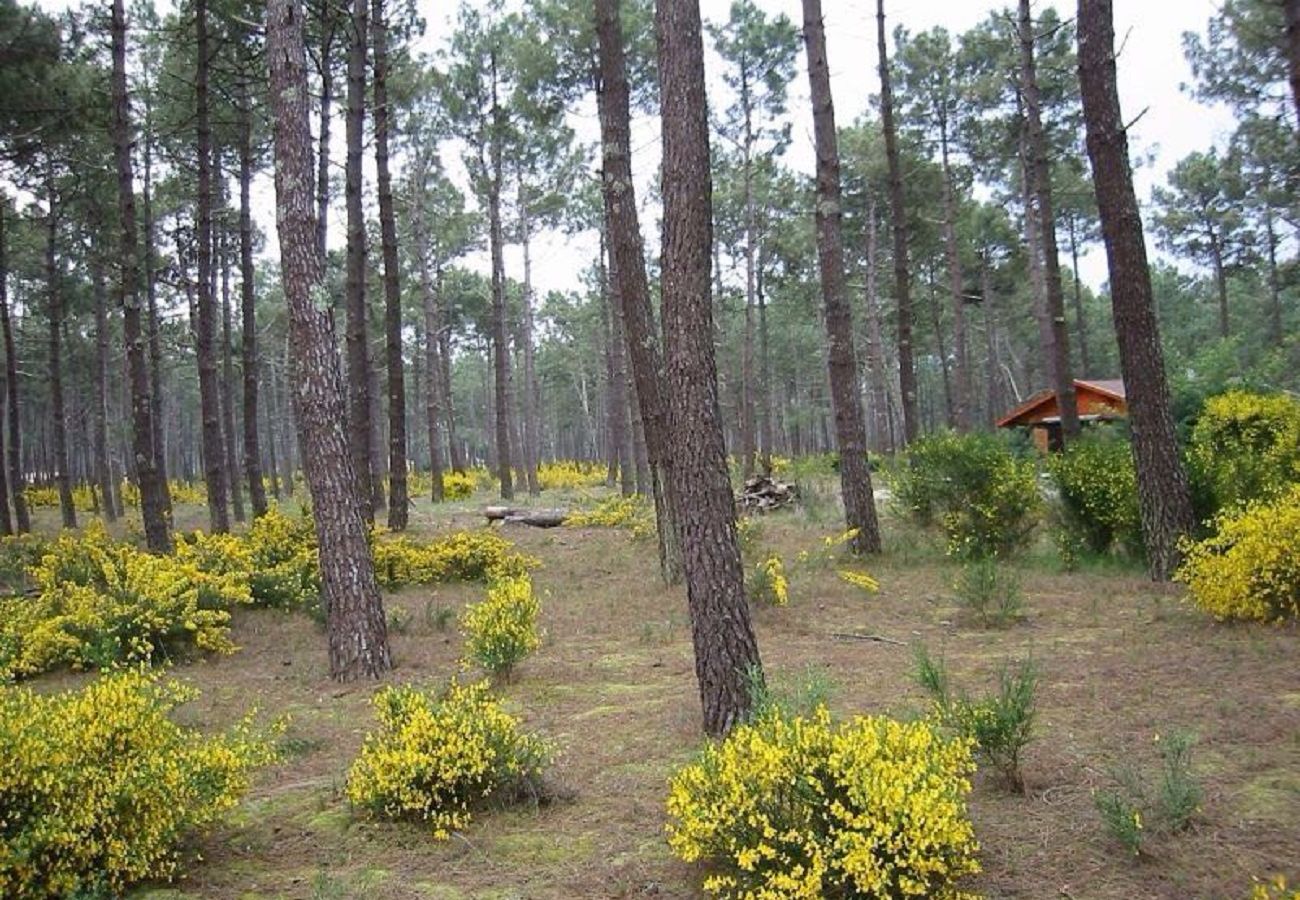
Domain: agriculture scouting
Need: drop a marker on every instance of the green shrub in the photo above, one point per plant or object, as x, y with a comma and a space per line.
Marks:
436, 759
1001, 725
19, 553
1140, 805
1097, 487
501, 629
800, 807
989, 593
983, 496
98, 786
1245, 447
1249, 569
767, 584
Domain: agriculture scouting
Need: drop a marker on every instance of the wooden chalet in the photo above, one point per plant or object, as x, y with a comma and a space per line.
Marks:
1098, 401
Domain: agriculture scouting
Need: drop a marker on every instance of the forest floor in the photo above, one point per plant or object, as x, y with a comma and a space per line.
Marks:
613, 688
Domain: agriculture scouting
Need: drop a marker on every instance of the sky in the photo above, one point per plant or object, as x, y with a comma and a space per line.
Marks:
1168, 122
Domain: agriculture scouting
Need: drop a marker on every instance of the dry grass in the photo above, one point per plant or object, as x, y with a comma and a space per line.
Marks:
613, 686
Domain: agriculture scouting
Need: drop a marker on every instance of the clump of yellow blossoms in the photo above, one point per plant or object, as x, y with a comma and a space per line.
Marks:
632, 512
570, 474
436, 759
501, 629
1274, 889
859, 579
277, 556
793, 807
99, 786
768, 583
1249, 569
461, 556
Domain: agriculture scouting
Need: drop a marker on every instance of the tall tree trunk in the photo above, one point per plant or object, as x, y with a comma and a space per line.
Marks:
159, 540
99, 417
500, 346
626, 245
726, 653
532, 399
764, 377
1293, 51
612, 434
1163, 495
993, 398
228, 375
455, 449
877, 377
214, 457
898, 221
358, 369
1220, 285
13, 411
63, 475
398, 498
1277, 334
962, 398
850, 435
748, 425
1040, 178
328, 30
620, 433
434, 367
248, 309
1080, 317
6, 524
357, 632
936, 312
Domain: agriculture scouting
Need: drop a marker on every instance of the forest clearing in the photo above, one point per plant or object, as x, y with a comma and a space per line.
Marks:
603, 448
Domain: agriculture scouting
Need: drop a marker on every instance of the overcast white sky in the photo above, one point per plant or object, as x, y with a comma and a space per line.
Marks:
1151, 72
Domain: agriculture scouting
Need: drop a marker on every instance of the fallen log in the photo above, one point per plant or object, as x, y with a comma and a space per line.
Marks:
762, 493
517, 515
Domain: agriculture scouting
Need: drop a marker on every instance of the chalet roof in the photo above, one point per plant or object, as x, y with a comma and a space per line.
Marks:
1107, 388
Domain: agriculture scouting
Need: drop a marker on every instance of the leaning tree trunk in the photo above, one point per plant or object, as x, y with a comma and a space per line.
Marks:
898, 221
850, 435
55, 321
398, 499
248, 309
99, 418
1040, 178
626, 245
13, 446
727, 663
214, 455
358, 638
1163, 495
358, 385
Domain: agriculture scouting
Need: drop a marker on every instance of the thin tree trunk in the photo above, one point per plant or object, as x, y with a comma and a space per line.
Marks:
357, 631
1163, 495
214, 469
248, 308
1039, 171
850, 435
531, 392
962, 398
764, 378
727, 663
878, 388
328, 27
63, 475
613, 440
1292, 8
500, 348
748, 425
398, 498
6, 524
455, 450
1080, 319
358, 369
1274, 286
1221, 286
13, 411
228, 376
434, 368
898, 220
626, 245
949, 401
159, 540
99, 417
618, 406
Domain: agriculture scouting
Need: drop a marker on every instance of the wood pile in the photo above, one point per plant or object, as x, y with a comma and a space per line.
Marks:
538, 518
763, 493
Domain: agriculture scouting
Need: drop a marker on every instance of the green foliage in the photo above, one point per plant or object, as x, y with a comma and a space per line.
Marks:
767, 583
501, 629
459, 556
99, 787
1246, 447
1249, 569
1000, 725
1097, 486
989, 592
800, 807
436, 759
985, 499
1140, 805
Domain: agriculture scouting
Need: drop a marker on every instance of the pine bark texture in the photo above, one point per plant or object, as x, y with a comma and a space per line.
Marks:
1292, 8
54, 317
500, 343
13, 412
358, 377
626, 245
850, 433
726, 652
6, 523
357, 632
1163, 495
99, 421
248, 310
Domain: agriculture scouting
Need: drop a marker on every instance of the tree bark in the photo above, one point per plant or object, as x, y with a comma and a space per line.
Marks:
214, 457
877, 383
726, 653
157, 422
626, 245
1080, 318
532, 399
228, 374
500, 345
358, 369
850, 434
357, 632
455, 450
620, 433
1040, 179
13, 412
398, 498
99, 417
898, 221
62, 474
248, 309
1163, 495
6, 523
1293, 51
962, 398
328, 29
1220, 284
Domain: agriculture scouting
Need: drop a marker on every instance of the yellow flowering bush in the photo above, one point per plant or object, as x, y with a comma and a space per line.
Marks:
800, 807
501, 629
100, 604
1273, 889
98, 786
859, 579
1097, 485
570, 474
460, 556
436, 759
768, 584
1245, 447
1249, 569
632, 512
285, 568
458, 485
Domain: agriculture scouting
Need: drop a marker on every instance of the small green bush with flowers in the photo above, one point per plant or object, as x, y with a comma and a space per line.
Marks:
460, 556
791, 806
1249, 569
98, 786
985, 498
1097, 485
437, 759
501, 629
767, 582
1245, 447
